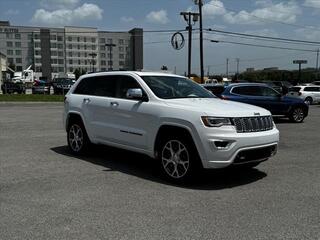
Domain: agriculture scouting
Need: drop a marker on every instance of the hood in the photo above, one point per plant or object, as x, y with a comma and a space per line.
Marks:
217, 107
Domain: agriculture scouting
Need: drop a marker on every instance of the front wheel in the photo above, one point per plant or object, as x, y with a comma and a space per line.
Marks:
297, 115
178, 158
308, 100
78, 141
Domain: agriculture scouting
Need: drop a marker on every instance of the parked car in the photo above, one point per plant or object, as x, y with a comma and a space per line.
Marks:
264, 96
316, 83
284, 85
309, 94
62, 85
41, 87
10, 87
272, 85
216, 89
169, 118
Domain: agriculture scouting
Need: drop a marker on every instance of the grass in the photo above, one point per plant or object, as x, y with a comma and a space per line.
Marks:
30, 98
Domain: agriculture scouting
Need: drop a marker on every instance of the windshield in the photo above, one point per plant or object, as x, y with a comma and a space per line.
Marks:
175, 87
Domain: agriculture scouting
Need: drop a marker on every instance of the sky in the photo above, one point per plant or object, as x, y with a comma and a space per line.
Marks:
294, 19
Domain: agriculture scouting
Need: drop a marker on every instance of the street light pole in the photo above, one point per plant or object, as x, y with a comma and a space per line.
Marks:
187, 17
93, 55
110, 45
200, 4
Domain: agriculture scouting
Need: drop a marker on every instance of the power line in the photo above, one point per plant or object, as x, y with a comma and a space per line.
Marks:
263, 46
264, 37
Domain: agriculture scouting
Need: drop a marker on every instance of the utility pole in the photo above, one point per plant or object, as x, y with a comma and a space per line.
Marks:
317, 64
238, 60
200, 4
227, 67
208, 73
187, 17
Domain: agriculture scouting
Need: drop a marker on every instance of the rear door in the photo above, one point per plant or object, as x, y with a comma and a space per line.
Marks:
294, 91
273, 101
248, 94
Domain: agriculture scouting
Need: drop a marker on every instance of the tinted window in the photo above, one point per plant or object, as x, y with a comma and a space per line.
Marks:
247, 90
311, 89
217, 90
104, 86
126, 83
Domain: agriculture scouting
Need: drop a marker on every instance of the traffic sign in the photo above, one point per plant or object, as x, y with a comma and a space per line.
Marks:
300, 61
177, 41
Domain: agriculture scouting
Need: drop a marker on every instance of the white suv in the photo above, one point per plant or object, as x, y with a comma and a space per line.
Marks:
168, 117
310, 94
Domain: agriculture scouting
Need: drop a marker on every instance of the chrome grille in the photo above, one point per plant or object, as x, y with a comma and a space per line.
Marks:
253, 124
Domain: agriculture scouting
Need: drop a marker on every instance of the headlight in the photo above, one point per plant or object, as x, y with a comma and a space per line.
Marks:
215, 121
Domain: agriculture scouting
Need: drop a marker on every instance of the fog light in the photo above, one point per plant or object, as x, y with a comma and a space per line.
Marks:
221, 144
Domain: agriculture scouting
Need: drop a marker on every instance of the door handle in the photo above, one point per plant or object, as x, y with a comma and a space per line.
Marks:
86, 100
114, 104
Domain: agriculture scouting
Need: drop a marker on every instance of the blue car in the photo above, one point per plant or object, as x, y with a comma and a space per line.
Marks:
264, 96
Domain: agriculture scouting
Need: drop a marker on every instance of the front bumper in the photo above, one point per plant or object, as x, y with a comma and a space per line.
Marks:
224, 148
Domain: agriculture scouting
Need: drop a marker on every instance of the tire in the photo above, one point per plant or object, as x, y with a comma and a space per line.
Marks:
77, 137
308, 100
178, 158
297, 115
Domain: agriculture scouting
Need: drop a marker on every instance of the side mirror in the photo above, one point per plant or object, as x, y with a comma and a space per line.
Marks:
134, 93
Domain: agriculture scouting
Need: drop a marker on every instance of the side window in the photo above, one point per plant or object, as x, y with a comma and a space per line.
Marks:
268, 92
104, 86
126, 83
247, 90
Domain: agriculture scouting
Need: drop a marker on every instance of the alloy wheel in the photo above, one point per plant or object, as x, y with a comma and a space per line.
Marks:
175, 159
298, 115
76, 138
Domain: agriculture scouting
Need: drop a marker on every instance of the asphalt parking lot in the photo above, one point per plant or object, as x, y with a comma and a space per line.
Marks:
45, 193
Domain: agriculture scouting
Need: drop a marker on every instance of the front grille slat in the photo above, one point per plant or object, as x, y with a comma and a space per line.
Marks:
253, 124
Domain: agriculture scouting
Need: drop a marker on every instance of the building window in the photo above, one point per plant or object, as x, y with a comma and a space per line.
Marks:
9, 44
54, 53
54, 61
70, 46
37, 53
110, 55
103, 69
69, 39
121, 41
85, 55
121, 63
29, 36
103, 62
53, 37
70, 61
37, 45
17, 36
78, 39
109, 40
78, 47
18, 60
110, 63
59, 38
102, 48
79, 62
53, 45
18, 52
85, 39
19, 68
36, 36
85, 47
60, 54
85, 62
17, 44
10, 60
102, 40
93, 47
121, 49
60, 61
61, 69
9, 35
38, 69
70, 54
60, 46
121, 56
93, 40
71, 69
37, 60
79, 54
102, 55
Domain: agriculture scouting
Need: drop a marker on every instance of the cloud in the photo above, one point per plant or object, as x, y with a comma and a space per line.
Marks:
312, 3
263, 32
159, 17
308, 33
286, 12
62, 17
58, 4
127, 19
214, 8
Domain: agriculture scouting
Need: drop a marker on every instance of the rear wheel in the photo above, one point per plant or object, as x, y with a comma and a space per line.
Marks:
308, 100
78, 140
178, 158
297, 115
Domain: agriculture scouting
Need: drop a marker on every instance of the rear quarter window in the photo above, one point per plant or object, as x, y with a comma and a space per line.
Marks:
294, 89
